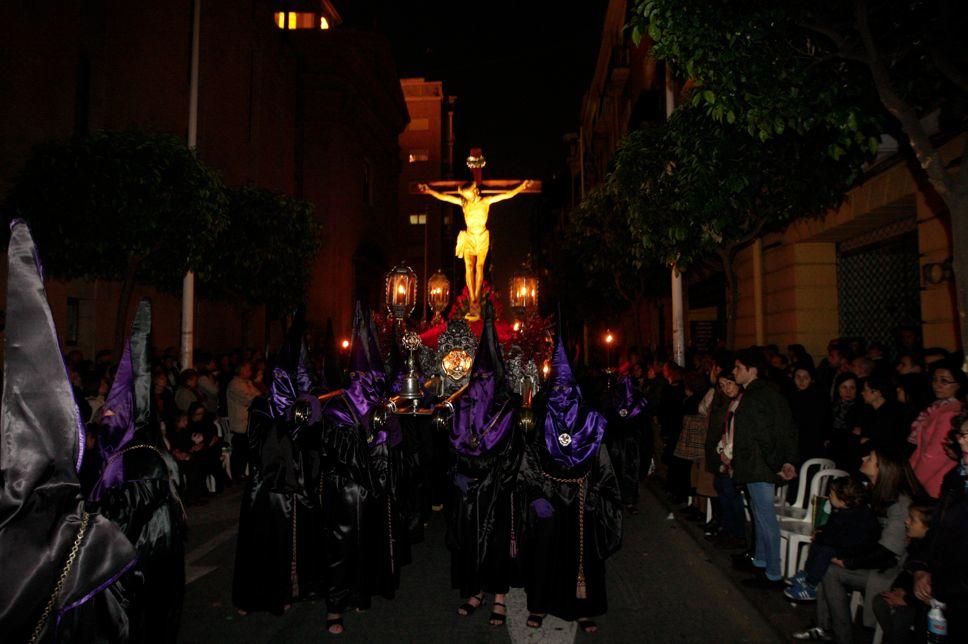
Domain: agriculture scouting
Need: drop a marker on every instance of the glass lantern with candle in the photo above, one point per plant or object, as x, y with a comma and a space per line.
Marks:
523, 293
438, 294
401, 293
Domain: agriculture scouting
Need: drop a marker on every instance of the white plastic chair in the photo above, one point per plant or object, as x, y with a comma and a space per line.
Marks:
800, 507
798, 531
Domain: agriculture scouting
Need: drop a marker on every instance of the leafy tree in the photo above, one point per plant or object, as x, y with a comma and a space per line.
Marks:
774, 66
264, 254
126, 206
694, 187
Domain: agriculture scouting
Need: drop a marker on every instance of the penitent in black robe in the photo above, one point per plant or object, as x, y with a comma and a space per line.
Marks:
366, 540
552, 542
276, 560
483, 514
627, 421
149, 511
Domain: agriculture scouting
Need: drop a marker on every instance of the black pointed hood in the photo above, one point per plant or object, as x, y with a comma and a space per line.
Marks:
42, 514
140, 330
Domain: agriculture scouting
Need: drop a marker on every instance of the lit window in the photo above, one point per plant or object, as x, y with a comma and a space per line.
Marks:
323, 22
297, 20
418, 220
418, 155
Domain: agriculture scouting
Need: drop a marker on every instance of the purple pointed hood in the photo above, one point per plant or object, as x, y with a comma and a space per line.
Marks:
363, 392
126, 406
377, 366
484, 411
627, 402
117, 425
572, 432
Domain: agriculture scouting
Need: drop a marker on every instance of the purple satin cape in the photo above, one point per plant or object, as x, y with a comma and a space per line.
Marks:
567, 415
478, 416
628, 399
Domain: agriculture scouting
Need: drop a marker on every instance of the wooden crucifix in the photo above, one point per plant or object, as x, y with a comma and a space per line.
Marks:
475, 200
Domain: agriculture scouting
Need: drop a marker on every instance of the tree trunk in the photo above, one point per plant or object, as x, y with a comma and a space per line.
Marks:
726, 256
952, 188
124, 301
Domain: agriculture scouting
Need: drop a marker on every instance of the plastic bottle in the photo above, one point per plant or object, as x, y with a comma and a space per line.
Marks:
937, 624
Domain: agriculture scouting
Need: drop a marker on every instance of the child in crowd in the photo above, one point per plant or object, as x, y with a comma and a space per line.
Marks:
851, 529
897, 610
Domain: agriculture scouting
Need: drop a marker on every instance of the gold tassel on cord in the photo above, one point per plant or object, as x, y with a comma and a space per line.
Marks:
580, 591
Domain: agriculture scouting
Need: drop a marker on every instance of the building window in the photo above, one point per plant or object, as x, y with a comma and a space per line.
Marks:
418, 219
292, 20
418, 155
73, 321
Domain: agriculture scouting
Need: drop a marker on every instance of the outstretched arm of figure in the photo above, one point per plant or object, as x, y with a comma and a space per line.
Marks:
427, 190
510, 193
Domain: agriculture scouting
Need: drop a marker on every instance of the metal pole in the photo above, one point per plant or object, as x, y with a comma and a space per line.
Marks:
678, 315
188, 283
678, 320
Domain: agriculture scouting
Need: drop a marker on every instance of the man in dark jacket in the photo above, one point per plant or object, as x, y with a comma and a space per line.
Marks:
764, 448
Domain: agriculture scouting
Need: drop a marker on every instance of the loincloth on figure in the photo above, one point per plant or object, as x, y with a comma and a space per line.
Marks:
475, 244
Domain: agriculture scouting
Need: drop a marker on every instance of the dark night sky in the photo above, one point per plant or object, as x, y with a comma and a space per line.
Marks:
519, 69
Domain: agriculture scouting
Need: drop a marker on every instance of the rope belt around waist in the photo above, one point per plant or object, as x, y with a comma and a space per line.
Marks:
581, 591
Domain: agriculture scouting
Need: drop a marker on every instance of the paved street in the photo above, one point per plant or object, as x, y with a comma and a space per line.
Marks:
663, 587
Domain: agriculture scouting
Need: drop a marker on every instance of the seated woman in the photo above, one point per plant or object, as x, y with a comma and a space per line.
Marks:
574, 507
893, 488
929, 432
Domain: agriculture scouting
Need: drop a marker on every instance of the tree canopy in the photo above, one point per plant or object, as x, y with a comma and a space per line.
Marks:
833, 67
263, 255
105, 204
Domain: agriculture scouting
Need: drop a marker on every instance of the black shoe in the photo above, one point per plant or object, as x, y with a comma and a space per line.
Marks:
762, 582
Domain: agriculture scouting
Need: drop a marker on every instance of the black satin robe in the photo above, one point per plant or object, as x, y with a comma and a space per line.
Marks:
622, 438
415, 456
551, 544
483, 519
276, 559
366, 540
149, 511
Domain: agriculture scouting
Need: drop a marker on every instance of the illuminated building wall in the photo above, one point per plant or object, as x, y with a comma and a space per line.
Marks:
311, 113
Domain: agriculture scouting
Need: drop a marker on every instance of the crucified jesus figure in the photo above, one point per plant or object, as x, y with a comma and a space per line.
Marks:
474, 241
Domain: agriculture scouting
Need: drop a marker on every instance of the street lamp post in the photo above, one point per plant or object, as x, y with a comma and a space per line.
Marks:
609, 339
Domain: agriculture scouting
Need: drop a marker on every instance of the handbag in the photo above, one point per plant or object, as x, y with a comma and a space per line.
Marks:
692, 439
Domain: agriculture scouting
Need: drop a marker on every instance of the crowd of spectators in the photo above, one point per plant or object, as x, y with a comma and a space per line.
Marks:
724, 432
198, 414
896, 423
